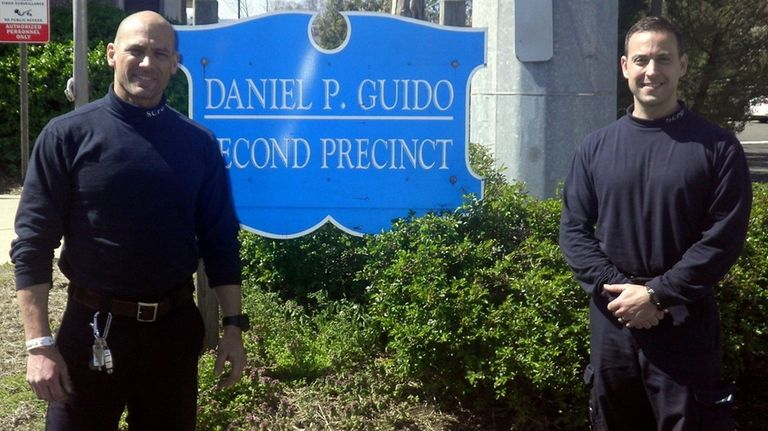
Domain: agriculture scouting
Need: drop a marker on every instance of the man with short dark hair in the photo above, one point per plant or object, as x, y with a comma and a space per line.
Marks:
139, 193
655, 212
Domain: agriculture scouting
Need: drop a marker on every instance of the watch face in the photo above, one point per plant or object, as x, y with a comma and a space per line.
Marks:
652, 297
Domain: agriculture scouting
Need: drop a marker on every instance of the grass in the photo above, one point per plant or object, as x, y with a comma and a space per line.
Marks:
19, 409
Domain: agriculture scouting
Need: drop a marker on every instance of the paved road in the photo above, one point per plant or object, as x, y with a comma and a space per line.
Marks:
7, 213
8, 205
754, 138
754, 133
755, 141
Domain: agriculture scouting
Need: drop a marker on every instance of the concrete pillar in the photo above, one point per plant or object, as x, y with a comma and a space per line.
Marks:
546, 85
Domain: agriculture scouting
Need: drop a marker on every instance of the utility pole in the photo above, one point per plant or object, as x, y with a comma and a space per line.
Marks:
80, 68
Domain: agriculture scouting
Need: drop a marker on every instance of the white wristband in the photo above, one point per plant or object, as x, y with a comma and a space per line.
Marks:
40, 342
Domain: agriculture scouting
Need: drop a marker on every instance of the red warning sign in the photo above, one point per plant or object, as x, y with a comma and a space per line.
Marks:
24, 21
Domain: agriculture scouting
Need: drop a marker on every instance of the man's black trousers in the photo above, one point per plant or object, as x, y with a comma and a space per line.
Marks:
667, 378
155, 372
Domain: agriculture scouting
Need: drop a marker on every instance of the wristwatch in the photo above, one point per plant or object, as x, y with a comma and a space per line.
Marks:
240, 320
652, 296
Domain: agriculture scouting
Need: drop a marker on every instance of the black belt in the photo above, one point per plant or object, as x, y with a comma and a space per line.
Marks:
141, 311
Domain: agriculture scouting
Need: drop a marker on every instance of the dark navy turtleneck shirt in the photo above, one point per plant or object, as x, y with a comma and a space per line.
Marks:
138, 196
667, 199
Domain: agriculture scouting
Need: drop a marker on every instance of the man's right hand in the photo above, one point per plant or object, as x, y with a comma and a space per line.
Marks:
646, 320
47, 374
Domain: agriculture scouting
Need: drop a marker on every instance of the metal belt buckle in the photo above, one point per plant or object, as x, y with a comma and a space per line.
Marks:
144, 309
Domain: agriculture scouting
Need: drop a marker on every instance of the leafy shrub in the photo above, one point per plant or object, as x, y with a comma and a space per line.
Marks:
743, 299
304, 344
479, 305
324, 261
540, 338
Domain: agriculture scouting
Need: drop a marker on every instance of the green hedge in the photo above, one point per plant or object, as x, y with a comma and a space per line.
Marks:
479, 307
743, 299
475, 309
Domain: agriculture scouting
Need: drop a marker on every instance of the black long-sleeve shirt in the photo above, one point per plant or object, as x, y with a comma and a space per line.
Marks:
667, 199
138, 196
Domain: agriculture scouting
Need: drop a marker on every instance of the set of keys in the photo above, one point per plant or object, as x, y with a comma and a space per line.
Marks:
102, 356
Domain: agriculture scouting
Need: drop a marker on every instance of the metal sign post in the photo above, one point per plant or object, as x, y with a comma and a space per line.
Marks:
24, 107
23, 22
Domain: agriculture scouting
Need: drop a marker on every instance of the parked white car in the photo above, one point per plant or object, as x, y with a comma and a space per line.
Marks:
758, 109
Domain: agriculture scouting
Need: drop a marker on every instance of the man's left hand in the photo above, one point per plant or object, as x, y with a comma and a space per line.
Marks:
230, 349
633, 307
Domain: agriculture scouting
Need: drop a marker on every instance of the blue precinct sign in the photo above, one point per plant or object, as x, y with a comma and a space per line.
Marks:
361, 135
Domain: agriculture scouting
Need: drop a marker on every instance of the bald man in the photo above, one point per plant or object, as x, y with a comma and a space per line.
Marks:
138, 193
